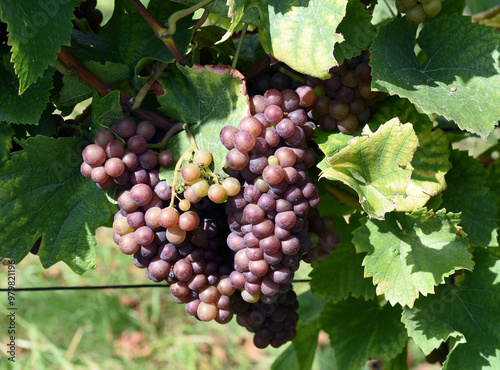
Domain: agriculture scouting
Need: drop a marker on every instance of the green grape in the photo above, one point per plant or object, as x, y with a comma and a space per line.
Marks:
217, 193
416, 15
432, 8
184, 205
273, 160
203, 157
232, 186
200, 188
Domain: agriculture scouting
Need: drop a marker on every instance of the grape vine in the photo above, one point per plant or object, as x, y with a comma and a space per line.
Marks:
235, 148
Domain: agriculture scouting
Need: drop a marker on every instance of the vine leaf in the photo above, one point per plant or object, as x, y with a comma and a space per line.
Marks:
228, 8
365, 336
6, 134
357, 30
208, 98
302, 33
468, 194
106, 110
408, 254
477, 6
430, 162
339, 277
460, 77
376, 165
468, 314
14, 105
43, 194
73, 91
37, 29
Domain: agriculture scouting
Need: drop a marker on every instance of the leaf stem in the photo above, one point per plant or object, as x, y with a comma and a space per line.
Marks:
161, 32
343, 196
178, 127
144, 90
183, 158
390, 10
202, 20
240, 44
172, 20
294, 76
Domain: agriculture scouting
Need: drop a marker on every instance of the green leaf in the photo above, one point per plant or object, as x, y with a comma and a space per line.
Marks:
376, 165
289, 30
477, 6
106, 111
467, 193
222, 8
493, 181
430, 161
43, 194
111, 73
46, 126
469, 314
310, 307
6, 134
357, 30
452, 7
400, 362
360, 330
14, 105
408, 254
208, 98
74, 91
37, 29
341, 275
134, 43
460, 77
330, 143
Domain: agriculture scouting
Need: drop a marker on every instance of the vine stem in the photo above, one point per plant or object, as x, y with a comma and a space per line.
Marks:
75, 65
178, 127
178, 165
240, 45
390, 10
343, 196
294, 76
144, 90
172, 20
161, 32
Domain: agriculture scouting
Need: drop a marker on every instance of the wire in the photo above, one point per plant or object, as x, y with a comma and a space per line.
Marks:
101, 287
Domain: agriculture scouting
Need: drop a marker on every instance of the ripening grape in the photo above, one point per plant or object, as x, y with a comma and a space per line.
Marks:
190, 173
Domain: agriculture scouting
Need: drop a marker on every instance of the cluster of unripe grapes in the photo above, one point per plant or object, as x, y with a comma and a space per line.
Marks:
342, 102
86, 10
417, 10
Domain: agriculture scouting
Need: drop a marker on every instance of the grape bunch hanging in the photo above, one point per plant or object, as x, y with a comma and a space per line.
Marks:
417, 11
230, 246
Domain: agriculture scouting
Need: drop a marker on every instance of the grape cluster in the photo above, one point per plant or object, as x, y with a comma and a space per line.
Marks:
227, 246
417, 10
87, 10
272, 323
108, 162
267, 218
342, 102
